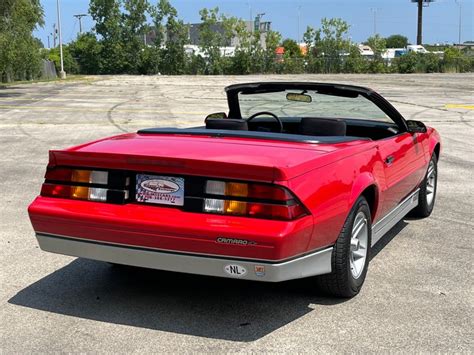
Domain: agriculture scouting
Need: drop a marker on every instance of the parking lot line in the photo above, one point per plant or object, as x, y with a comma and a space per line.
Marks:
463, 106
78, 109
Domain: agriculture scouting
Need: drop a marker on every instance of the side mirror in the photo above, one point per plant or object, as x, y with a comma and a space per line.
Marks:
416, 126
217, 115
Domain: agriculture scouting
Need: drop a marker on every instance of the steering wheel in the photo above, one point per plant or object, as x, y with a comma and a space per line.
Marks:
280, 123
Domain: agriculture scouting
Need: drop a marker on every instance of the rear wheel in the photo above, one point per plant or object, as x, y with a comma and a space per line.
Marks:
427, 195
350, 256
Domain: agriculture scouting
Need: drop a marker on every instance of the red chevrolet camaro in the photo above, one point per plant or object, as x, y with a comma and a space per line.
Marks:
297, 180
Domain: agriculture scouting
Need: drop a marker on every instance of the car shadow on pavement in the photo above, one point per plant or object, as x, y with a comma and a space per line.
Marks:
203, 306
387, 238
187, 304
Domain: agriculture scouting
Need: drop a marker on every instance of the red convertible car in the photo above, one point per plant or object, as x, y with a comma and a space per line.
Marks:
297, 180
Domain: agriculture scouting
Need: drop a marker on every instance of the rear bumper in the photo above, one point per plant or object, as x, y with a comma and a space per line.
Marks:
315, 263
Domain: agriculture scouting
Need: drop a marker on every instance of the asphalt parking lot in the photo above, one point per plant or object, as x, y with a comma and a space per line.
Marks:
418, 295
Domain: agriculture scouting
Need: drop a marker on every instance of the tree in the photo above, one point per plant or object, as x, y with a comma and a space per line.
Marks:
86, 50
19, 50
378, 45
108, 25
291, 48
169, 56
396, 41
134, 28
216, 31
70, 64
328, 45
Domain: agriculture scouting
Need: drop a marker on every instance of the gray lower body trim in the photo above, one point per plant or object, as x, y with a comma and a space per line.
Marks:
394, 216
316, 263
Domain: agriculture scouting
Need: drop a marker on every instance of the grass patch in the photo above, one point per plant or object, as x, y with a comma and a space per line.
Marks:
69, 78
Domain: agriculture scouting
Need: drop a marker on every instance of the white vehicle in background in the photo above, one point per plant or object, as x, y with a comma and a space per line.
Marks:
416, 48
366, 51
391, 53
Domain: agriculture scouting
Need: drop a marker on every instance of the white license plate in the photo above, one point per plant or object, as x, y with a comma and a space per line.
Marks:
163, 190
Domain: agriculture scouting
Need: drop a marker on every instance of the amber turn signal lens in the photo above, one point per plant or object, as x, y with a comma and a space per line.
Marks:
236, 189
80, 192
235, 207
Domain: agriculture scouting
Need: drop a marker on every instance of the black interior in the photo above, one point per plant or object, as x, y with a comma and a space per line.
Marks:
313, 126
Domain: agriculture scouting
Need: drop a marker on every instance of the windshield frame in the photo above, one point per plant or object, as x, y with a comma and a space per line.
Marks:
342, 90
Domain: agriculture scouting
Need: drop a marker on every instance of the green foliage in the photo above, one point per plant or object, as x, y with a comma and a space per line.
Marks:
327, 45
407, 63
70, 64
354, 62
455, 62
19, 51
108, 25
86, 50
378, 45
292, 49
396, 41
212, 39
117, 45
169, 56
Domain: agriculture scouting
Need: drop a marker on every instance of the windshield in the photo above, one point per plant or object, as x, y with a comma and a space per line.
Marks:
302, 103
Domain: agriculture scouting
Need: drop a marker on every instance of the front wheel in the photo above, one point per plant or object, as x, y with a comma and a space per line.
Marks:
350, 256
427, 195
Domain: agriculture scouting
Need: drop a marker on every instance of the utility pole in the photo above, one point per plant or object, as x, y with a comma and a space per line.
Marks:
54, 34
460, 20
62, 73
48, 43
79, 17
419, 35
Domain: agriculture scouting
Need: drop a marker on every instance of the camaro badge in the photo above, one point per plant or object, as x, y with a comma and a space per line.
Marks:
233, 241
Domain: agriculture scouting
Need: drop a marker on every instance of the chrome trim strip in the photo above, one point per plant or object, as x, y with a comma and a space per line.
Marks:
380, 228
170, 251
309, 265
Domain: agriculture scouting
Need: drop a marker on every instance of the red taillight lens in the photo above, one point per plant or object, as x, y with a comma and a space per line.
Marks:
75, 192
255, 200
59, 174
77, 175
83, 184
56, 190
268, 192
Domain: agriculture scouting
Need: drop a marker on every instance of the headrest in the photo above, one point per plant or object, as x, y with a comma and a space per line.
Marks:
227, 123
315, 126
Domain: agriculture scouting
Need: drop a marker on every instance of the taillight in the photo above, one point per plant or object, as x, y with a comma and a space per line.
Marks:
251, 200
83, 184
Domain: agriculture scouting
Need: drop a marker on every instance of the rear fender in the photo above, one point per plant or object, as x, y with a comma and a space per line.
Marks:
362, 182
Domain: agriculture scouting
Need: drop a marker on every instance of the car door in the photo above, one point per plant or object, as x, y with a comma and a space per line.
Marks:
404, 167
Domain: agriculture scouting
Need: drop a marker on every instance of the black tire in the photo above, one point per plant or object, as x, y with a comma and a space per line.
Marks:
341, 281
425, 208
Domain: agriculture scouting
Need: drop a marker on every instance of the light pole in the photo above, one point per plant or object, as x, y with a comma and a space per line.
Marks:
460, 20
62, 73
299, 18
374, 11
250, 16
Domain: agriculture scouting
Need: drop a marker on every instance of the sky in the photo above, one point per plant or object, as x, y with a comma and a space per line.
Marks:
440, 20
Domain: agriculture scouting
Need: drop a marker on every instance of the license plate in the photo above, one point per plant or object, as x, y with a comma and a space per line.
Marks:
162, 190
